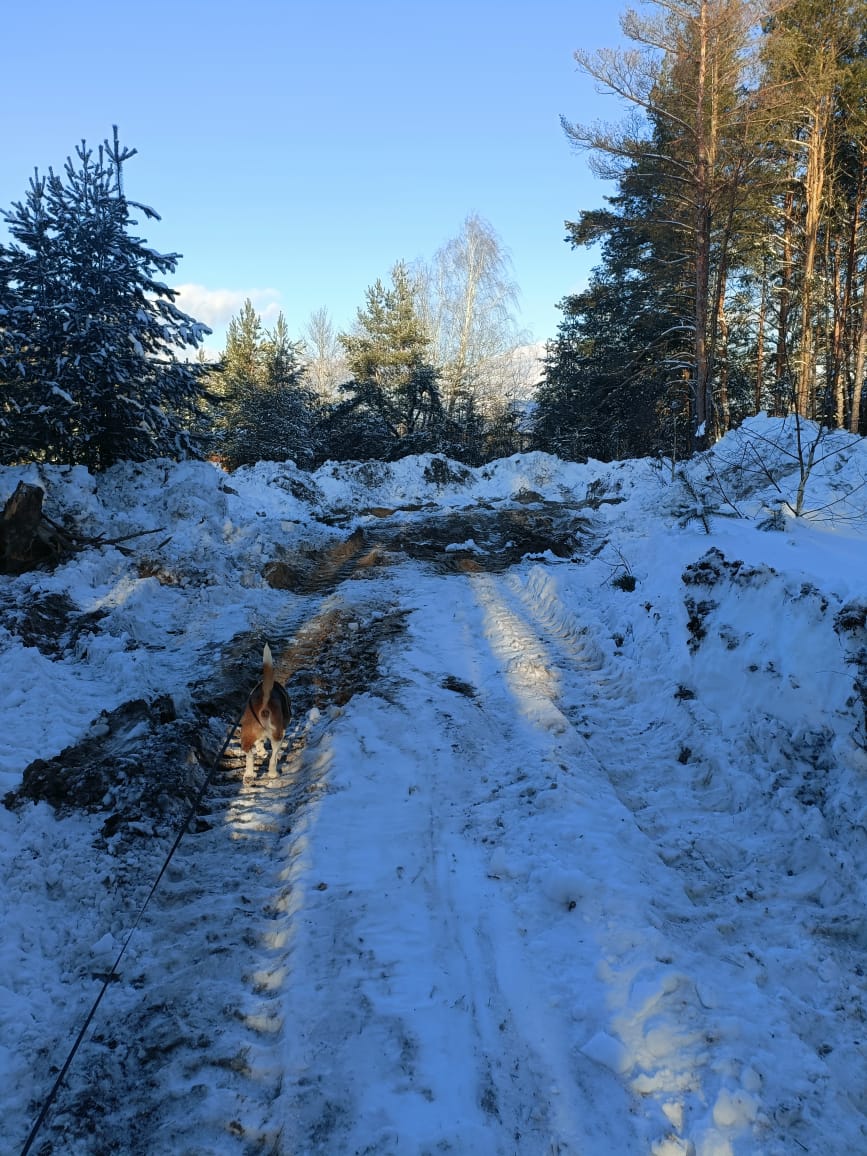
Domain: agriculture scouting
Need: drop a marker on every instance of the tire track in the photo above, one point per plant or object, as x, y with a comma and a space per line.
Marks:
704, 799
192, 1030
186, 1054
633, 903
427, 1007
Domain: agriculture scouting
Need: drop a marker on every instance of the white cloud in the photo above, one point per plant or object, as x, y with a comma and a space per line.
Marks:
216, 307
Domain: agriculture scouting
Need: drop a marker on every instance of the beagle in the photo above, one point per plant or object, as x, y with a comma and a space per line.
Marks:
266, 716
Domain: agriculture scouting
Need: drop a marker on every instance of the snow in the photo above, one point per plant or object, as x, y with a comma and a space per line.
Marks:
551, 866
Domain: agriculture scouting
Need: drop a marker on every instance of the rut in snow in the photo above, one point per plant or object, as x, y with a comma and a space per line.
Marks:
173, 1040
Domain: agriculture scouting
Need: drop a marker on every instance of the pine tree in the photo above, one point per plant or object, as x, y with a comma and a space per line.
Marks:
814, 52
749, 137
616, 366
242, 359
90, 337
690, 81
393, 385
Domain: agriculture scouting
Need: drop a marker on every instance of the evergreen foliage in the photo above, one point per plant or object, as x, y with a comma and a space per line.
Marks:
393, 405
266, 411
618, 364
90, 337
733, 273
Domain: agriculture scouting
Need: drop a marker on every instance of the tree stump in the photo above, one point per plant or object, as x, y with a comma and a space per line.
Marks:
29, 537
24, 541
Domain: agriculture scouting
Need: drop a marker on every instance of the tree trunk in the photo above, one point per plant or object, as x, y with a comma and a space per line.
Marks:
847, 332
860, 364
760, 347
781, 361
722, 410
20, 524
814, 186
703, 165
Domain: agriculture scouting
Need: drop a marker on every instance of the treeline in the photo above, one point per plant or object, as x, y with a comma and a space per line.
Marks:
98, 365
732, 279
427, 367
733, 269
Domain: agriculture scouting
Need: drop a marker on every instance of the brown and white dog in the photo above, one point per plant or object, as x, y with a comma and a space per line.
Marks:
266, 717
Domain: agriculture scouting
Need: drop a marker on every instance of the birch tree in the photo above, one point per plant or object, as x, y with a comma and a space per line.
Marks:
325, 360
468, 302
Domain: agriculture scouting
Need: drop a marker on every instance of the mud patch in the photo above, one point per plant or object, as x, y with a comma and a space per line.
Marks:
481, 538
331, 658
491, 540
135, 764
336, 656
452, 682
314, 571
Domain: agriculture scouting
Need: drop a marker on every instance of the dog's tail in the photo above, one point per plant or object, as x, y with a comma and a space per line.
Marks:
267, 681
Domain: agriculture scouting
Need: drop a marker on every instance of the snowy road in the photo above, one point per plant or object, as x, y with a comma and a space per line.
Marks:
533, 880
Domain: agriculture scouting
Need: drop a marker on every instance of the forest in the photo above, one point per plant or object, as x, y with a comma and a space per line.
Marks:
731, 280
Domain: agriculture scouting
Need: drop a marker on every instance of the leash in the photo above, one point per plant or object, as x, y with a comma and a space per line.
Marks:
79, 1039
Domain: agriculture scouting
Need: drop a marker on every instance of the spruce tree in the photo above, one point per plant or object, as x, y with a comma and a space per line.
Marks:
267, 411
90, 337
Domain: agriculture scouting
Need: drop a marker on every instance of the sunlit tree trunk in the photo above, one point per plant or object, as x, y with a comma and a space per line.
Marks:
759, 381
782, 365
860, 364
814, 187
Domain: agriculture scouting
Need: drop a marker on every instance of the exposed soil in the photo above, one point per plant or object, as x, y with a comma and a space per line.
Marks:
489, 540
136, 764
141, 766
480, 538
50, 622
313, 571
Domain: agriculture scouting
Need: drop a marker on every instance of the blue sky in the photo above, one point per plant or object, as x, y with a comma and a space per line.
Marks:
296, 149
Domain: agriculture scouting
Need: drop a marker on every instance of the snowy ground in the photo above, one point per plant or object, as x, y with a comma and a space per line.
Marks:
569, 845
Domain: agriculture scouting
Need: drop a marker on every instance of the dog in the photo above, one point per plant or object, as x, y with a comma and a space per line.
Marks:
266, 716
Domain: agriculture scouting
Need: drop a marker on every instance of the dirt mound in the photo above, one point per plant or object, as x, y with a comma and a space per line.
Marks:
314, 571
